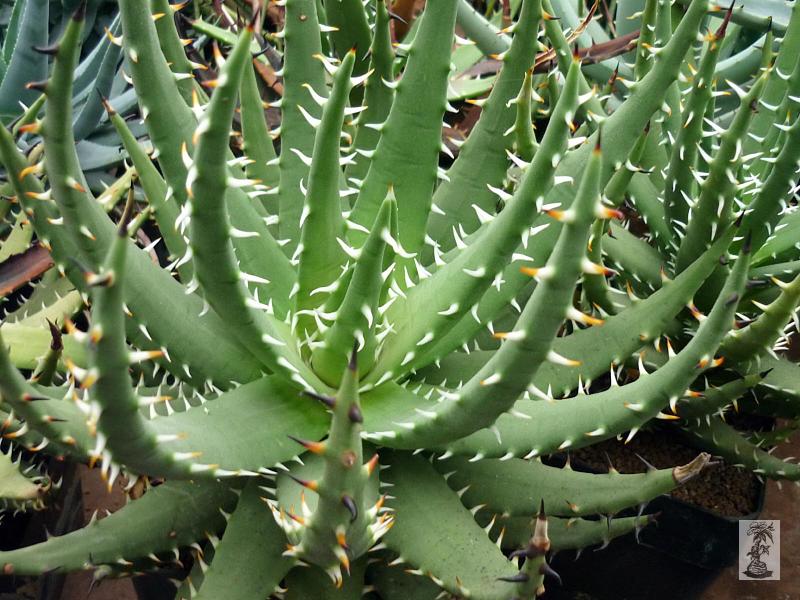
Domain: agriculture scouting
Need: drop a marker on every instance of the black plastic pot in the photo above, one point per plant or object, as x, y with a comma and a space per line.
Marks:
12, 529
18, 531
696, 535
678, 557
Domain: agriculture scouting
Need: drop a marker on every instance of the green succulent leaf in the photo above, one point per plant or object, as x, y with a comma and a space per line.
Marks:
169, 516
437, 534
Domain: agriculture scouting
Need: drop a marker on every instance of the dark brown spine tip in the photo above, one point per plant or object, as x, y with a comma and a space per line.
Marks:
613, 79
328, 401
395, 16
355, 415
546, 569
732, 299
315, 447
724, 26
56, 343
764, 374
311, 485
518, 578
39, 86
106, 104
747, 244
755, 284
255, 21
350, 505
264, 50
80, 12
739, 219
51, 50
541, 508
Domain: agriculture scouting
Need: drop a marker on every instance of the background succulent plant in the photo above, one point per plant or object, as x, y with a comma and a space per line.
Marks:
355, 350
22, 485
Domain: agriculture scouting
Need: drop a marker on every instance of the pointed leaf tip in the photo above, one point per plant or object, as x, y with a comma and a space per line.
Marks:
80, 11
56, 342
720, 33
254, 24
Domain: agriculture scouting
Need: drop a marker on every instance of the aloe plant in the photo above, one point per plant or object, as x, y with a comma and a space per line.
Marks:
310, 374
